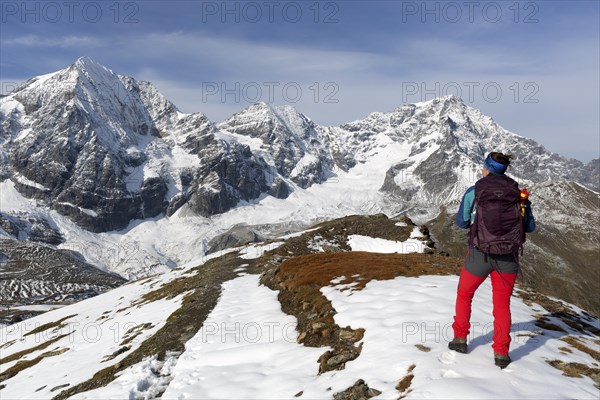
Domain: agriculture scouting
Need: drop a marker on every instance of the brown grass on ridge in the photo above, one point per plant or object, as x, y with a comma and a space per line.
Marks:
320, 268
573, 341
577, 370
41, 346
299, 280
49, 325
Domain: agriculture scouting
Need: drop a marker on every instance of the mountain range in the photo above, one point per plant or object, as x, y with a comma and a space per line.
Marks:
106, 168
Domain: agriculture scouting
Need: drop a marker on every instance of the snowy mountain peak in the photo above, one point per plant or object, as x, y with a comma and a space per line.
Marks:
265, 113
296, 146
85, 63
85, 84
445, 100
272, 124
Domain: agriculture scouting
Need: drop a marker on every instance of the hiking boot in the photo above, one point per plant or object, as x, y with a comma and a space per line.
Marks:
458, 344
501, 360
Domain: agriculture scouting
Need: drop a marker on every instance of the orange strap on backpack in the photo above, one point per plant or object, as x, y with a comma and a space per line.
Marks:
524, 196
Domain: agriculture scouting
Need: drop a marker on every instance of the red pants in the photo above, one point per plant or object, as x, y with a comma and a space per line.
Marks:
502, 287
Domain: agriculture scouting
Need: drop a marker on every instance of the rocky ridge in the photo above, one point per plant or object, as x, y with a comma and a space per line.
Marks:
296, 269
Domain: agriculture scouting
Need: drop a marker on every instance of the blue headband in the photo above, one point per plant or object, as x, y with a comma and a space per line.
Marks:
494, 166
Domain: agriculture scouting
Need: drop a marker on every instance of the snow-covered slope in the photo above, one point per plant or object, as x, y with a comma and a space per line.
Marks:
404, 336
212, 330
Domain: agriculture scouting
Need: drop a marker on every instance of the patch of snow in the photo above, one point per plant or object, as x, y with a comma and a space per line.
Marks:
296, 234
144, 380
37, 307
255, 144
378, 245
416, 232
12, 200
336, 281
306, 160
24, 181
94, 329
318, 243
23, 134
255, 251
43, 78
8, 104
83, 210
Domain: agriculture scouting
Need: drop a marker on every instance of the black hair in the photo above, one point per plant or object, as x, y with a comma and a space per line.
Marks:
501, 158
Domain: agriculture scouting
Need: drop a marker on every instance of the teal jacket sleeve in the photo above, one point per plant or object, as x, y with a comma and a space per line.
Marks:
463, 218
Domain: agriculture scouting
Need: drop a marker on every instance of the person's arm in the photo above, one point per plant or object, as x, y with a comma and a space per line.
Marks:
529, 220
463, 217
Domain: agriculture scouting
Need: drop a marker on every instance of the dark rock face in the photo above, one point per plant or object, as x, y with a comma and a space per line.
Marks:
9, 225
391, 187
152, 197
176, 203
99, 149
226, 179
436, 172
279, 189
32, 229
50, 275
42, 232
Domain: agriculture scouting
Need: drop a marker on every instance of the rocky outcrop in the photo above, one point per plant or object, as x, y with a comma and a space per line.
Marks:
238, 235
359, 391
297, 146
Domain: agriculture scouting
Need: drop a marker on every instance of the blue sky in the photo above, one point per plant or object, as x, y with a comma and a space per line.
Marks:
531, 65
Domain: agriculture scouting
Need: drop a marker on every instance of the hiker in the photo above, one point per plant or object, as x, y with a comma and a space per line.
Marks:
498, 214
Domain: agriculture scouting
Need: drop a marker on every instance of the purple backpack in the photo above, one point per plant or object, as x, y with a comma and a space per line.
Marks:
498, 225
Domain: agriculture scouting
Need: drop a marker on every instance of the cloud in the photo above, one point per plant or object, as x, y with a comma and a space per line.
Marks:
248, 58
181, 64
63, 42
367, 82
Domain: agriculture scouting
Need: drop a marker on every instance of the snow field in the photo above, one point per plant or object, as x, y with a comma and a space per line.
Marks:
246, 350
255, 251
404, 312
95, 329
